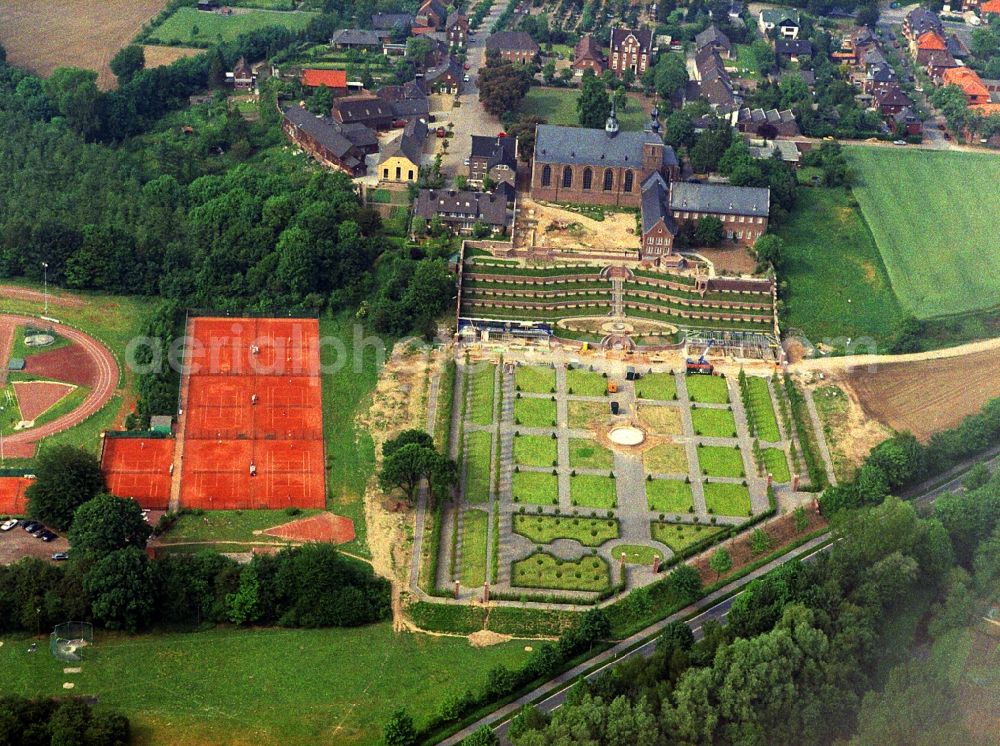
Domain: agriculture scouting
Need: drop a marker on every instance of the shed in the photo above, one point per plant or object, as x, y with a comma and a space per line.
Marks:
161, 423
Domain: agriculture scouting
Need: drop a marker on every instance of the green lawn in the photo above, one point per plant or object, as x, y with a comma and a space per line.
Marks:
659, 386
189, 26
586, 454
582, 382
717, 461
21, 350
535, 488
544, 529
591, 491
11, 413
279, 686
776, 464
478, 451
680, 536
837, 284
713, 423
534, 412
350, 449
934, 217
558, 106
666, 458
535, 379
474, 548
483, 384
582, 413
636, 554
229, 525
669, 496
535, 450
832, 405
762, 409
707, 389
746, 63
542, 570
725, 498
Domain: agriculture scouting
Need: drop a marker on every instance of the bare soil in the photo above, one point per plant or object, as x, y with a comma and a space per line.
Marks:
159, 56
733, 260
558, 228
853, 433
41, 36
926, 396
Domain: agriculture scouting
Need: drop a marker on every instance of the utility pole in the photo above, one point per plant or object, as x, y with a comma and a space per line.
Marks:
45, 270
1, 436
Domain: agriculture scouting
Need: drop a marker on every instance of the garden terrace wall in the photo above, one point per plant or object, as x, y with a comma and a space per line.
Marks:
684, 291
684, 301
671, 310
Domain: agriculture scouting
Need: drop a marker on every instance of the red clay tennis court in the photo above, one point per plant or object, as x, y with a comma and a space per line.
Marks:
139, 468
12, 499
253, 430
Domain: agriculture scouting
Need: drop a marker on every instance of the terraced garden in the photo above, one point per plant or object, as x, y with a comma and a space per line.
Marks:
544, 529
542, 570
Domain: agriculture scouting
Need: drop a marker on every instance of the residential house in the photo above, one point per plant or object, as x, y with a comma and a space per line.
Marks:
598, 167
444, 78
495, 157
335, 80
783, 22
969, 81
786, 150
908, 122
401, 160
767, 124
353, 38
630, 50
456, 29
713, 82
879, 76
742, 210
513, 46
365, 109
919, 21
872, 56
712, 37
956, 46
989, 8
890, 101
793, 50
339, 147
937, 62
242, 77
408, 101
460, 211
392, 21
929, 41
658, 227
587, 55
432, 14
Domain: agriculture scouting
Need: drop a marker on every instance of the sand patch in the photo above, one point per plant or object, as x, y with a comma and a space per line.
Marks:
484, 638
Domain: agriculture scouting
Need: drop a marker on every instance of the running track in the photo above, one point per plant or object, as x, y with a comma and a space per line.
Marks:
22, 444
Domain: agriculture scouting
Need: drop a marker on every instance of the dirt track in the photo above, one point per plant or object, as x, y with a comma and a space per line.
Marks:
22, 444
55, 298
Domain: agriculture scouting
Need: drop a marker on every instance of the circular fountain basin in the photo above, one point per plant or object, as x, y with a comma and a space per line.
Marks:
626, 436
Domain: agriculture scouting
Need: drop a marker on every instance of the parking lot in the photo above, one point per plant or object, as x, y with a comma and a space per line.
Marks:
17, 544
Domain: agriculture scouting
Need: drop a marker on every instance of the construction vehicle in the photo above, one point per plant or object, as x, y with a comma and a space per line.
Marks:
612, 387
701, 366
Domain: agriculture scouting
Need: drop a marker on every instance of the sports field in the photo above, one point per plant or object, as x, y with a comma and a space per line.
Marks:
280, 685
192, 27
139, 468
934, 217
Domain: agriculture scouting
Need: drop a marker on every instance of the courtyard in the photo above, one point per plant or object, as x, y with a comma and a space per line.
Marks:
554, 490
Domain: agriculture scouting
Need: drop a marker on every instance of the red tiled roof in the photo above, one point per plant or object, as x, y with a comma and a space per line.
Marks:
968, 80
992, 6
931, 40
330, 78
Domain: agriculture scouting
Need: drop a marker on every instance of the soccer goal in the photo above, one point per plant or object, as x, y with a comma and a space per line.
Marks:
67, 641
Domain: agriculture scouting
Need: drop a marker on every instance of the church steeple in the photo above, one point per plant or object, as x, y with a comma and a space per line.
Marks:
611, 126
654, 121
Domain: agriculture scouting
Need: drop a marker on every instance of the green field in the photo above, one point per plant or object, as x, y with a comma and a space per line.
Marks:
474, 548
717, 461
660, 386
934, 217
189, 26
762, 409
558, 106
535, 450
669, 496
478, 454
726, 498
544, 529
280, 685
535, 379
581, 382
636, 554
534, 412
776, 464
707, 389
586, 454
542, 570
680, 536
535, 488
713, 423
229, 525
666, 458
837, 283
483, 384
592, 491
582, 413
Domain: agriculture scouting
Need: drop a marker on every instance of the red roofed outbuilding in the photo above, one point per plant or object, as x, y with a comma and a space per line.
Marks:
335, 80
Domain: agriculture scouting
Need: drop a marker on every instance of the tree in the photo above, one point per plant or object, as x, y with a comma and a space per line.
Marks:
106, 524
593, 107
405, 469
680, 130
121, 588
75, 95
65, 478
502, 86
321, 102
709, 231
801, 519
721, 561
685, 582
769, 251
405, 438
482, 737
244, 605
127, 63
670, 75
760, 541
399, 731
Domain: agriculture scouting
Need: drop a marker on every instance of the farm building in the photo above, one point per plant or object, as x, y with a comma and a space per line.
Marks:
513, 46
330, 143
335, 80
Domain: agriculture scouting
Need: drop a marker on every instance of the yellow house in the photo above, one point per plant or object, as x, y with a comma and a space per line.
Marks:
401, 159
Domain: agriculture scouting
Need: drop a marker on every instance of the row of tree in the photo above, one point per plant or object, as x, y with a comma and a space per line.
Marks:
25, 720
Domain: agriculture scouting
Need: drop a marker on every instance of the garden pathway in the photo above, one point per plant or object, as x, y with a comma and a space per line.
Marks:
824, 450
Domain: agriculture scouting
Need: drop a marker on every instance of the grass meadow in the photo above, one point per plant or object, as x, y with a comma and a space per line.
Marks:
679, 536
544, 529
726, 498
934, 218
474, 532
190, 26
542, 570
280, 685
558, 106
669, 496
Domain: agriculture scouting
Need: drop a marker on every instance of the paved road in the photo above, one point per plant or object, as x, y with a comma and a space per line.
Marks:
551, 695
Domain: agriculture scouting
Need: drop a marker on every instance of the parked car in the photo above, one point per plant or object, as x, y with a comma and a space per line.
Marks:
8, 525
899, 142
466, 78
30, 526
37, 533
60, 556
48, 536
